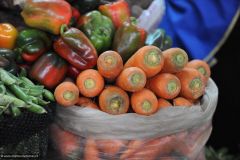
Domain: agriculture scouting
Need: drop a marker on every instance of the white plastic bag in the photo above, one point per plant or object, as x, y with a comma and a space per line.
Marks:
173, 132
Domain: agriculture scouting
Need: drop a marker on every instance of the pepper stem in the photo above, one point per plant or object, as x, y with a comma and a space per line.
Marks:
63, 28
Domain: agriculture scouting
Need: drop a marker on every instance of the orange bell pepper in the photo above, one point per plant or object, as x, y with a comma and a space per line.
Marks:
8, 35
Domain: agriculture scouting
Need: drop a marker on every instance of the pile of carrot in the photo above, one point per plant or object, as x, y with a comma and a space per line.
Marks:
150, 80
180, 145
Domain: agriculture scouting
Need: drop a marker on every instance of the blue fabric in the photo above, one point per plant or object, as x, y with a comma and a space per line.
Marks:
198, 25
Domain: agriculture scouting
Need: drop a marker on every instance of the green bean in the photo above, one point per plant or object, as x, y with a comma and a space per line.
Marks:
19, 93
42, 102
2, 89
6, 100
15, 111
35, 108
32, 91
48, 95
6, 78
26, 80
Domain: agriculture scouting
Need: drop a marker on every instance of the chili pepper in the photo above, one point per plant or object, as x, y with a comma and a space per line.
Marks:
128, 39
98, 28
118, 12
8, 35
32, 43
47, 15
76, 48
49, 70
72, 72
160, 39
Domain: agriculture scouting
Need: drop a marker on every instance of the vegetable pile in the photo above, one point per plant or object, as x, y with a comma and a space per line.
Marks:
95, 57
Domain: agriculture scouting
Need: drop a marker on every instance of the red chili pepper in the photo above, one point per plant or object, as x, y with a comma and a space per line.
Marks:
76, 48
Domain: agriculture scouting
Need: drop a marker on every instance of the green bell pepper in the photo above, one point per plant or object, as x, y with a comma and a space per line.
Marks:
7, 60
98, 28
32, 43
159, 39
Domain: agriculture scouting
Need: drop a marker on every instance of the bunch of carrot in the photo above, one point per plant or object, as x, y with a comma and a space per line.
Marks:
176, 146
150, 80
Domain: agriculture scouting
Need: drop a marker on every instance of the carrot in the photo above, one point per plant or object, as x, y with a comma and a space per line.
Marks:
90, 83
202, 67
110, 64
155, 148
181, 101
65, 141
144, 102
114, 100
133, 147
86, 102
111, 147
165, 85
131, 79
66, 94
163, 103
148, 58
192, 83
91, 152
175, 60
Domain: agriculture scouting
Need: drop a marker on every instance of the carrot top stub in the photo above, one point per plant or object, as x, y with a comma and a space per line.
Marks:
114, 100
152, 58
175, 59
149, 59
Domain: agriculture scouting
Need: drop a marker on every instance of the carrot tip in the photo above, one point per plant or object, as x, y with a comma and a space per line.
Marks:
152, 58
89, 83
180, 60
172, 86
146, 106
69, 96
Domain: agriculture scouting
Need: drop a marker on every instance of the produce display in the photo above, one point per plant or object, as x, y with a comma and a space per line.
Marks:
92, 54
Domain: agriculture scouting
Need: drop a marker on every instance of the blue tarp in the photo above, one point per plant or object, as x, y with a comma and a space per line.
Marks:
198, 25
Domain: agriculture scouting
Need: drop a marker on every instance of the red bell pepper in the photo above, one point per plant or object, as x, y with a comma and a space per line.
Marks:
76, 48
49, 70
47, 15
118, 12
73, 72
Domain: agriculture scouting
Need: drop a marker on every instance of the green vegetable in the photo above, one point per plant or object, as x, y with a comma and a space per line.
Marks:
98, 28
6, 100
15, 111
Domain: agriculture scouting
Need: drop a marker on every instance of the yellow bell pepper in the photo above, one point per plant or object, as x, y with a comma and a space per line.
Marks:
8, 35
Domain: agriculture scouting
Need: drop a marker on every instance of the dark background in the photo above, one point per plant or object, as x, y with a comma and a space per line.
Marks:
226, 120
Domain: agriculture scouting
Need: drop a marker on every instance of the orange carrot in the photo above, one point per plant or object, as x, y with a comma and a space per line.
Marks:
202, 67
175, 60
155, 148
163, 103
90, 83
148, 58
180, 101
192, 83
91, 152
131, 79
165, 85
66, 94
133, 147
65, 141
86, 102
111, 147
114, 100
144, 102
110, 64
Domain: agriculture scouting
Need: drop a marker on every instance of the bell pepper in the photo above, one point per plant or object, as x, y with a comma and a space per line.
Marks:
32, 43
160, 39
75, 16
7, 60
47, 15
76, 48
128, 39
72, 72
98, 28
118, 12
49, 70
8, 35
